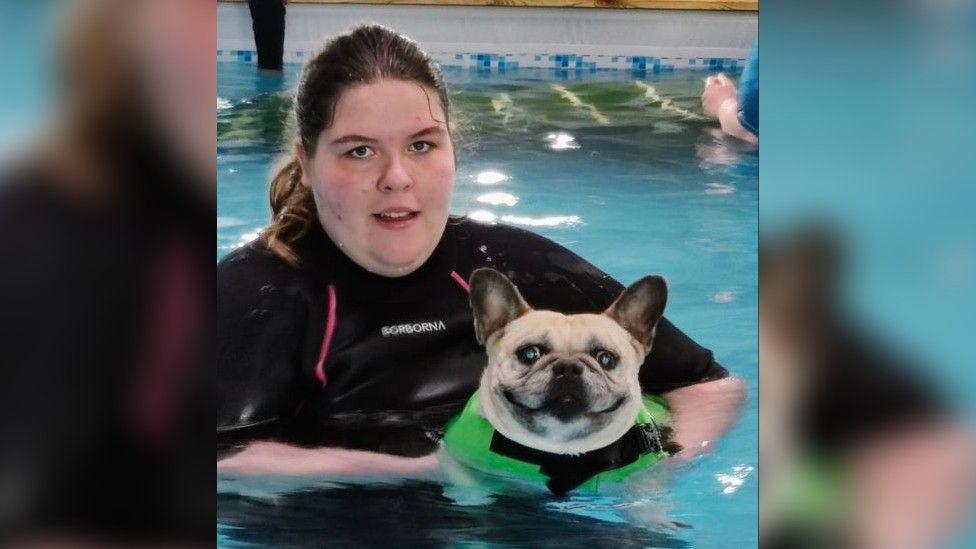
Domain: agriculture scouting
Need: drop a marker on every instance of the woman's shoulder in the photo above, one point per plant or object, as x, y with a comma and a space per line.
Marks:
482, 233
251, 257
254, 267
522, 246
548, 275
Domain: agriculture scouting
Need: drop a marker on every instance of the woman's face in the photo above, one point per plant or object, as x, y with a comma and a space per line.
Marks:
382, 175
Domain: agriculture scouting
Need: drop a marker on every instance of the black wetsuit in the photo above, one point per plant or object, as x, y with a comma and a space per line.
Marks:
401, 357
105, 309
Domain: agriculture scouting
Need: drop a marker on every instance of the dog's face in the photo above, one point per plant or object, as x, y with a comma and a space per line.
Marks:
559, 383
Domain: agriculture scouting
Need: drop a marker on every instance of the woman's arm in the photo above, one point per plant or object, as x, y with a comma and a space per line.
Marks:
268, 457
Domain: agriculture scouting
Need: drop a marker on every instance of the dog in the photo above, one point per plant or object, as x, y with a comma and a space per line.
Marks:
562, 390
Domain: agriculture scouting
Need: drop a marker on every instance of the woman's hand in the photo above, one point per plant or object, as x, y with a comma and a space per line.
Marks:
275, 458
701, 413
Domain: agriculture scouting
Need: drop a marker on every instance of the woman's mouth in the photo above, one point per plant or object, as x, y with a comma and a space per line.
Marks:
396, 218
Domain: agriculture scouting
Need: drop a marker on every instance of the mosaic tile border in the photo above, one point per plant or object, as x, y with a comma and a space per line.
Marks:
501, 62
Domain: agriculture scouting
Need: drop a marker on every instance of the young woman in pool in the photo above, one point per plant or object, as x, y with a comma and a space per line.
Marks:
344, 331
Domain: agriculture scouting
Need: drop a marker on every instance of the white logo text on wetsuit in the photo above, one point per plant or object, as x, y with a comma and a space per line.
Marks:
415, 328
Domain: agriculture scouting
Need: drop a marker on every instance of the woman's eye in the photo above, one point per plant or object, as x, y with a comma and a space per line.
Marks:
420, 146
605, 358
361, 151
529, 354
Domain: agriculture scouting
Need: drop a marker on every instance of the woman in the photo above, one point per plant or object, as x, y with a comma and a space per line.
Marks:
347, 323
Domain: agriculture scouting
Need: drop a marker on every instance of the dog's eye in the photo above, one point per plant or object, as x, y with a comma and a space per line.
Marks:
605, 358
529, 354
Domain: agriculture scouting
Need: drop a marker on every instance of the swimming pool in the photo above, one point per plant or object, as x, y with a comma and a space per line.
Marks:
618, 166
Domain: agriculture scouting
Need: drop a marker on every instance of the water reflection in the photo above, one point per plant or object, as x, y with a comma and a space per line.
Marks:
490, 177
419, 515
486, 216
549, 221
498, 199
561, 140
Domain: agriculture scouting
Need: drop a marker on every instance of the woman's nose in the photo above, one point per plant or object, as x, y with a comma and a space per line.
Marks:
395, 176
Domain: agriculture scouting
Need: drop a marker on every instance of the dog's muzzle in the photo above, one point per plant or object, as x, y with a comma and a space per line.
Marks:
566, 398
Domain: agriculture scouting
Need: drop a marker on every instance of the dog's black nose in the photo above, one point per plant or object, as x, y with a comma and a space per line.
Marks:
561, 369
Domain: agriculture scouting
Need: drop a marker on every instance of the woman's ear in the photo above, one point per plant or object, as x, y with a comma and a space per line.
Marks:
302, 159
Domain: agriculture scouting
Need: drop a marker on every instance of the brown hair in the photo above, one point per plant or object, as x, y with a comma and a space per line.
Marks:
362, 56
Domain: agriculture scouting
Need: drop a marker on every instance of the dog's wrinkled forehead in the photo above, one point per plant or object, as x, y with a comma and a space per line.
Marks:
499, 309
565, 333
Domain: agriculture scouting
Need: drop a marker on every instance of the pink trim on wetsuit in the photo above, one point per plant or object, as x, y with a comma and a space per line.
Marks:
461, 281
330, 325
167, 344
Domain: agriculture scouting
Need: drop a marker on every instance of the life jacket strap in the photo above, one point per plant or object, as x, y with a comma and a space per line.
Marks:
567, 472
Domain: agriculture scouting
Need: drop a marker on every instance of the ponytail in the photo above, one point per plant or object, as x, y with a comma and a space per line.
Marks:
292, 209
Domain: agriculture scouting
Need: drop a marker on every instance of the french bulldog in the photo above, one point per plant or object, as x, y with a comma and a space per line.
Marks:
563, 384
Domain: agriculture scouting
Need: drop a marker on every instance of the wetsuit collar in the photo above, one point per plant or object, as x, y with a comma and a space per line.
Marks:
567, 472
327, 262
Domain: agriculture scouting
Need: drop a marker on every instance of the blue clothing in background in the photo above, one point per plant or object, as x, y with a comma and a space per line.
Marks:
749, 92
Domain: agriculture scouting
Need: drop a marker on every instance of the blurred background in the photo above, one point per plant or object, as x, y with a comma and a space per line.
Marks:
868, 263
867, 270
106, 286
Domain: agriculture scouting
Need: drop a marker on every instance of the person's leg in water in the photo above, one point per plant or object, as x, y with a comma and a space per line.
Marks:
268, 18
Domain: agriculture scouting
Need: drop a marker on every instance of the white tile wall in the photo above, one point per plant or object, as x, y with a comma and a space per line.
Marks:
523, 37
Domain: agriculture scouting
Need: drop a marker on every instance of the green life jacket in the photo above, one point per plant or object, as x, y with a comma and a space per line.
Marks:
816, 501
472, 440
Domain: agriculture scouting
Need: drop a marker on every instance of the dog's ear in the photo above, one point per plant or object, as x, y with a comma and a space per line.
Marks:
639, 307
495, 302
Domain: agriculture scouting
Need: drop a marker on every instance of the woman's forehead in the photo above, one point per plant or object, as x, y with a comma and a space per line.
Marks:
386, 109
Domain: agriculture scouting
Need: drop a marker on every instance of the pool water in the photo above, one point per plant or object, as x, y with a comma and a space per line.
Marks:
622, 168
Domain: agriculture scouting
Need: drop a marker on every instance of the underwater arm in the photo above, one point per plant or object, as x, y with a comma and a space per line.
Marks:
276, 458
912, 488
701, 413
